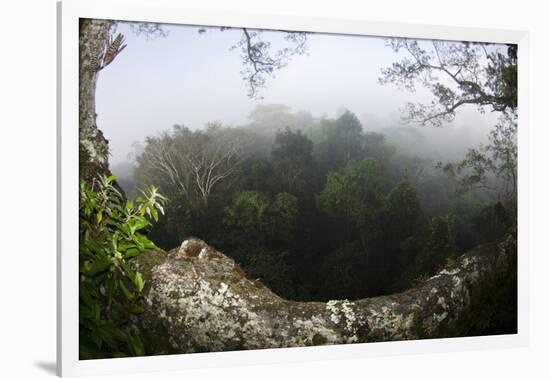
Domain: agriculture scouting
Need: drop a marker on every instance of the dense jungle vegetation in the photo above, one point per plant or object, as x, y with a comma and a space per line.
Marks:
318, 209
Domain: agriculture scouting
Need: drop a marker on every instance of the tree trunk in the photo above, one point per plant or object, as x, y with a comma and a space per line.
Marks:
197, 300
93, 147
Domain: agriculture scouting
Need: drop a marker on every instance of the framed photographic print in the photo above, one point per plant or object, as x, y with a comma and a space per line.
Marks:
238, 187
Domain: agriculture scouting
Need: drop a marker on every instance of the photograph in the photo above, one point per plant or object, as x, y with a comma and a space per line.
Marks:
243, 188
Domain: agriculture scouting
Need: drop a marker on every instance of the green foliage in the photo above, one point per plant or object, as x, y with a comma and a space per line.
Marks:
259, 217
342, 140
377, 148
314, 208
111, 235
493, 302
284, 211
353, 193
492, 167
492, 222
441, 237
247, 212
271, 268
319, 209
402, 210
256, 228
191, 164
440, 246
292, 160
346, 272
502, 72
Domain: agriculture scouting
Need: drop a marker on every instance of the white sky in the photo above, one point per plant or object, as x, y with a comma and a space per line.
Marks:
190, 78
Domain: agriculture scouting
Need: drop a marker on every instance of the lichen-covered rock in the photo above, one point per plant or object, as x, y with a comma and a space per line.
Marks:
197, 300
194, 247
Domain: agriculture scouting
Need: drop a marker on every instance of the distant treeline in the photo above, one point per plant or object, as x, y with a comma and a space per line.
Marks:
319, 209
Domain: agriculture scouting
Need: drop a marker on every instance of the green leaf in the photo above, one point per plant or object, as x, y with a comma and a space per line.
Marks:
110, 287
136, 309
138, 281
95, 267
129, 296
96, 312
136, 345
108, 334
129, 205
148, 244
141, 224
138, 240
113, 333
107, 297
132, 252
128, 271
85, 294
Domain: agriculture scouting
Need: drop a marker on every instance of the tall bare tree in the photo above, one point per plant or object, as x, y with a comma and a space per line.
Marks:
193, 162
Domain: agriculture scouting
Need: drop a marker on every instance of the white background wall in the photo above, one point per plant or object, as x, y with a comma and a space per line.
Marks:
27, 187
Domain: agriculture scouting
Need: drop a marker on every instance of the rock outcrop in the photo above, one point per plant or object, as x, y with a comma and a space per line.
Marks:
197, 300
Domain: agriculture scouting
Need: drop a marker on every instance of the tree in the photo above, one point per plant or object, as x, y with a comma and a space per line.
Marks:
285, 212
440, 246
342, 141
292, 159
345, 272
258, 230
161, 160
271, 117
353, 195
247, 213
456, 74
93, 147
192, 163
268, 119
259, 59
377, 148
261, 218
492, 167
402, 211
98, 47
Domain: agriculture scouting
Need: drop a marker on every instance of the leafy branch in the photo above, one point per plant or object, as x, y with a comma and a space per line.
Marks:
111, 235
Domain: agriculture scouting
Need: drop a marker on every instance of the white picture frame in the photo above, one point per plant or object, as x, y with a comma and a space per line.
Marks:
172, 11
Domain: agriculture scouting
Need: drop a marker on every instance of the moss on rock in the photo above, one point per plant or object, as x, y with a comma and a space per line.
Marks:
197, 299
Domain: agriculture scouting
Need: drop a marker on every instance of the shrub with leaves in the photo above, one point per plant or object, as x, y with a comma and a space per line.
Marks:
111, 235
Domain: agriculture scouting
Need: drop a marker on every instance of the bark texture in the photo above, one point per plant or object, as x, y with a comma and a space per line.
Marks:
197, 300
93, 149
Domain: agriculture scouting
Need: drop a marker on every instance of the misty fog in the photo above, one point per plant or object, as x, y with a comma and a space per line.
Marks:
324, 166
191, 78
